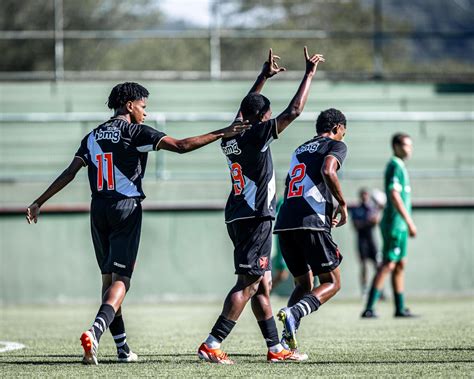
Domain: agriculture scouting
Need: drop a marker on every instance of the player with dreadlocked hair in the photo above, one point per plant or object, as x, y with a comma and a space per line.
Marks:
115, 154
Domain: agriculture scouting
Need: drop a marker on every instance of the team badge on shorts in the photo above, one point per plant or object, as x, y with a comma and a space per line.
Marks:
263, 261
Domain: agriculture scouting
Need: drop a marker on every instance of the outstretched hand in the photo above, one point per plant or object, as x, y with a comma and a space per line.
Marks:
32, 213
341, 211
270, 67
235, 128
312, 62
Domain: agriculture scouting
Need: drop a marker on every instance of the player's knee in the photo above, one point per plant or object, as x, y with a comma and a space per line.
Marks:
400, 266
249, 284
388, 266
337, 284
123, 280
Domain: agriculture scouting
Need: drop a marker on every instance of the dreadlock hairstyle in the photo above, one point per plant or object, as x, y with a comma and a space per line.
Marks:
124, 92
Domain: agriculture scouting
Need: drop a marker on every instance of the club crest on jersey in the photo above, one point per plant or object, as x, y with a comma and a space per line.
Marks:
263, 261
231, 147
112, 134
310, 148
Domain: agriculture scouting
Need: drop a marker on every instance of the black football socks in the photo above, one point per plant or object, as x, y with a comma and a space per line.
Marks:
117, 328
222, 328
308, 304
103, 319
269, 331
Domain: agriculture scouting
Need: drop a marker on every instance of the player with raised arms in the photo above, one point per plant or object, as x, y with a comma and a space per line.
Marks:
115, 154
305, 220
250, 211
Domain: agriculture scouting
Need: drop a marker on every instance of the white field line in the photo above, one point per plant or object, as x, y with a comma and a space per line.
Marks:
9, 346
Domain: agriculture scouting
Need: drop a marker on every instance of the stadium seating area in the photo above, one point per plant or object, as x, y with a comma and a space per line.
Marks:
34, 152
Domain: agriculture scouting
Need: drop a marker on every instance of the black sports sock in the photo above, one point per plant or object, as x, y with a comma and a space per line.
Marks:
222, 328
269, 331
308, 304
103, 319
117, 328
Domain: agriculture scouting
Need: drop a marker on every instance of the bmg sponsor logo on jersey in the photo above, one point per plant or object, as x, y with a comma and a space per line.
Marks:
231, 147
110, 134
310, 148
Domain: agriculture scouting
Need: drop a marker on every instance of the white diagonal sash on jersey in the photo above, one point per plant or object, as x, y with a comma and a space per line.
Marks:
311, 192
271, 190
123, 184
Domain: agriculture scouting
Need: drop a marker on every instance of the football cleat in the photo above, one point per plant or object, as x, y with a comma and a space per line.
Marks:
124, 357
286, 355
91, 346
284, 343
213, 355
405, 313
290, 324
369, 313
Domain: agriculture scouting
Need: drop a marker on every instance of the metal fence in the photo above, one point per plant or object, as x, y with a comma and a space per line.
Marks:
377, 37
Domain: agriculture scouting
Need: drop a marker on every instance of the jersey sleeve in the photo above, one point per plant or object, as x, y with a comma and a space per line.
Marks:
395, 178
339, 151
83, 151
145, 138
263, 133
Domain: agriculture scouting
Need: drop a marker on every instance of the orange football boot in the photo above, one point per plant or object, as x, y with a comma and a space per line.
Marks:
213, 355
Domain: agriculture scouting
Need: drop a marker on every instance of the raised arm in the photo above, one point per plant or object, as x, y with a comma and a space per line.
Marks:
270, 68
298, 102
192, 143
329, 173
33, 211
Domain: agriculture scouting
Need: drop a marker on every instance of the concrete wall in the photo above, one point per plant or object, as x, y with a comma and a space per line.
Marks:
190, 255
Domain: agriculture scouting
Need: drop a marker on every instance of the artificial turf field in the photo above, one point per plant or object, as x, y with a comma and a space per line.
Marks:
440, 343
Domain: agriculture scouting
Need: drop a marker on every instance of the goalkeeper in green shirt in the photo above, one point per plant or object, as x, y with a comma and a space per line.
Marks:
396, 225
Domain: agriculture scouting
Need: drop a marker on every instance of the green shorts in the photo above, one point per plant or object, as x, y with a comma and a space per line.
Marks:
394, 245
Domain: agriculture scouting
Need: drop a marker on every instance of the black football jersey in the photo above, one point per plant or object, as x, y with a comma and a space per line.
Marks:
308, 203
251, 170
116, 153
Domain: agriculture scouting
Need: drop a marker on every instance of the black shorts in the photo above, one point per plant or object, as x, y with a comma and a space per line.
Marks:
252, 240
306, 250
115, 227
367, 248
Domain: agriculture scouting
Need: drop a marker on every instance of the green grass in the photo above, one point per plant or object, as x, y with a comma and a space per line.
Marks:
166, 336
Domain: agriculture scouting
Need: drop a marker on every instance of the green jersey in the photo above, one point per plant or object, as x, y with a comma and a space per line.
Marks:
396, 177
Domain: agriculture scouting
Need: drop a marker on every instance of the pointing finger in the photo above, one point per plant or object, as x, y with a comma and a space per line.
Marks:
306, 53
270, 55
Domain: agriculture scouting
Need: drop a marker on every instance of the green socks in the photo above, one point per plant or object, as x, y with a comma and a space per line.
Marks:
399, 302
374, 295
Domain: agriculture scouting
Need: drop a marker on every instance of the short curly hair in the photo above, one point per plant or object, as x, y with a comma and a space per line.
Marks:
254, 104
328, 119
124, 92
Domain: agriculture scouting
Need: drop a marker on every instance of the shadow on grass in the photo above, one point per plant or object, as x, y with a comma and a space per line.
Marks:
191, 358
438, 349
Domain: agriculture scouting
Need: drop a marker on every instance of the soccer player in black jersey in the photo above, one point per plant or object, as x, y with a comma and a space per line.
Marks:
115, 154
305, 219
250, 210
